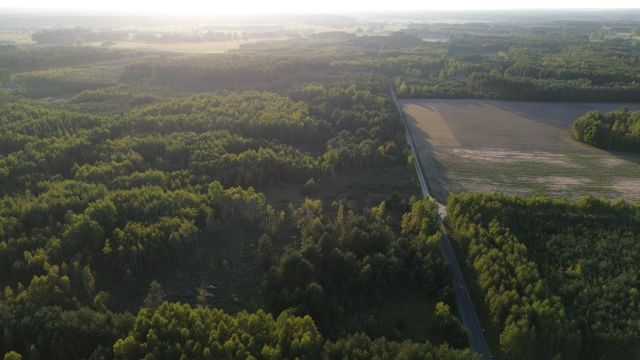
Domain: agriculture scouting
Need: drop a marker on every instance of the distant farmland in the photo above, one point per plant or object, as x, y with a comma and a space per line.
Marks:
516, 148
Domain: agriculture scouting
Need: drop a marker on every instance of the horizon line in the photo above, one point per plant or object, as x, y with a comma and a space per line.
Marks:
115, 12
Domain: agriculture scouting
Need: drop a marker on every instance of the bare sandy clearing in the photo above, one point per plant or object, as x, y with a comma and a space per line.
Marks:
205, 47
612, 161
627, 187
558, 182
500, 155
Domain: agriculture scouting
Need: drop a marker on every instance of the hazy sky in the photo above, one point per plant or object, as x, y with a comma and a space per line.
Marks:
218, 7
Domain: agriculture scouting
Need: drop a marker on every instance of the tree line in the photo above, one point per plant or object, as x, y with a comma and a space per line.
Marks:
526, 66
22, 59
616, 130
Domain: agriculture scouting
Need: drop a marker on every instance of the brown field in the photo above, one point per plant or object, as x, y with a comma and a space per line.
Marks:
211, 47
517, 148
16, 37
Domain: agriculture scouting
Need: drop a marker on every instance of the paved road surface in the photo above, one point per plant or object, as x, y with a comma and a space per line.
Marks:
463, 299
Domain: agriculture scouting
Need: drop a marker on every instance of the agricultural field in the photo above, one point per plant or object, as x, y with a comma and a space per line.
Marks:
519, 148
209, 47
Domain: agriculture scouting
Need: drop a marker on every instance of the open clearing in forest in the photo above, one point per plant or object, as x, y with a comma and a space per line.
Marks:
204, 47
516, 148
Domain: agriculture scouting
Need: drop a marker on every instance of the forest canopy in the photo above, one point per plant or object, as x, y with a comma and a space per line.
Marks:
111, 183
261, 203
559, 277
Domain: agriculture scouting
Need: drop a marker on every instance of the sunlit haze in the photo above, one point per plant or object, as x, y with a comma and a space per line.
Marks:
199, 7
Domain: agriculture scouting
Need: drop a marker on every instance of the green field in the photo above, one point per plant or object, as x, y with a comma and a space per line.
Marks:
519, 148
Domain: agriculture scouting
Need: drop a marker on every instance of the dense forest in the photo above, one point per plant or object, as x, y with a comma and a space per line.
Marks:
342, 268
617, 130
261, 203
509, 65
257, 335
21, 59
559, 278
106, 182
541, 67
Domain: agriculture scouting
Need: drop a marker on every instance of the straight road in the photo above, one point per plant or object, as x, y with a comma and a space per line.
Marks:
463, 299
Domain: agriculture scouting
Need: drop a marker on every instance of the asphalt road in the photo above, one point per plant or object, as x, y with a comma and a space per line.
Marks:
463, 299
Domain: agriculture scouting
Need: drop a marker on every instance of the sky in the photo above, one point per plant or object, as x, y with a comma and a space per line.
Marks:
252, 7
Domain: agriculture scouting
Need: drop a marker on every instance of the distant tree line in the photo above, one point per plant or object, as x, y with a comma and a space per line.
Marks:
19, 59
539, 67
74, 36
63, 81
